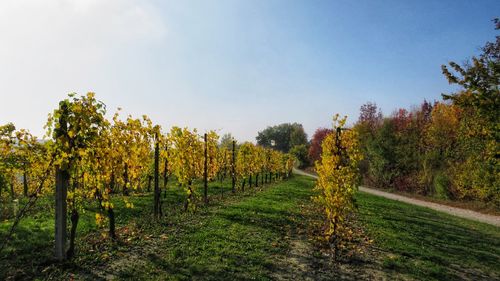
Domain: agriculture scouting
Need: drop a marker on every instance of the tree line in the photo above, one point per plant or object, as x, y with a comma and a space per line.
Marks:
447, 149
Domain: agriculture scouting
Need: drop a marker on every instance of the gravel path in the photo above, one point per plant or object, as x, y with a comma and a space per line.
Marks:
463, 213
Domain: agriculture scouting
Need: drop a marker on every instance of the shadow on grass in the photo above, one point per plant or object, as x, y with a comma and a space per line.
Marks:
430, 245
236, 242
233, 239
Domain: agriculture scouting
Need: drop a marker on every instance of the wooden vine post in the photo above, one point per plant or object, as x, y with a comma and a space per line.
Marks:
233, 168
165, 175
62, 183
205, 170
338, 153
157, 210
224, 174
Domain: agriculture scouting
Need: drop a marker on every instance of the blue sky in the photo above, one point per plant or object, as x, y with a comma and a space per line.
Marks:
233, 66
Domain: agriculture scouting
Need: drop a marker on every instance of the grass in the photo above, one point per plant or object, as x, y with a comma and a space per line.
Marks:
249, 236
32, 242
183, 229
235, 241
429, 245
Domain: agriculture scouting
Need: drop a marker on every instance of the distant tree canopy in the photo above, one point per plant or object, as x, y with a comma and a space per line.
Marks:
370, 116
300, 152
226, 141
315, 148
282, 137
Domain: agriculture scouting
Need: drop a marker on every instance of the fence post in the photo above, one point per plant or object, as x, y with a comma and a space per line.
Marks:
62, 182
157, 210
165, 174
233, 164
205, 171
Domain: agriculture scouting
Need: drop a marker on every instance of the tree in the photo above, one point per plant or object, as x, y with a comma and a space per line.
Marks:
439, 141
226, 141
369, 121
441, 133
370, 116
297, 136
315, 150
381, 153
282, 137
479, 101
300, 153
480, 79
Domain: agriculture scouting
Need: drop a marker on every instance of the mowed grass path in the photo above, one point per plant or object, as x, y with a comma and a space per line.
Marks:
239, 239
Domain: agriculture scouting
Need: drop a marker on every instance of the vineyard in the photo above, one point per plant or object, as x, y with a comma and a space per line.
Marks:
93, 165
119, 198
408, 190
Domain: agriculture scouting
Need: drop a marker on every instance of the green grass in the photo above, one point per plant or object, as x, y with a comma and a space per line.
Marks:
235, 241
429, 245
36, 233
33, 238
246, 236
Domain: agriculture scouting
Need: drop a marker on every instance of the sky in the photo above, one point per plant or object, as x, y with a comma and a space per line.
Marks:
233, 66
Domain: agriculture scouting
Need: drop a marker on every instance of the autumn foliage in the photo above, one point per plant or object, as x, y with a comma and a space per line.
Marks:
338, 177
315, 148
103, 158
447, 149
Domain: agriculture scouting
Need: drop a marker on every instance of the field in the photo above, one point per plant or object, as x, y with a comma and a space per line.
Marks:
261, 234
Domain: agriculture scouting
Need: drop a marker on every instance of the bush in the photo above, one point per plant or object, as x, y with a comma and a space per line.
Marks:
441, 185
300, 152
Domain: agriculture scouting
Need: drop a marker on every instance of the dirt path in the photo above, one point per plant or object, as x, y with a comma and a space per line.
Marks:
463, 213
